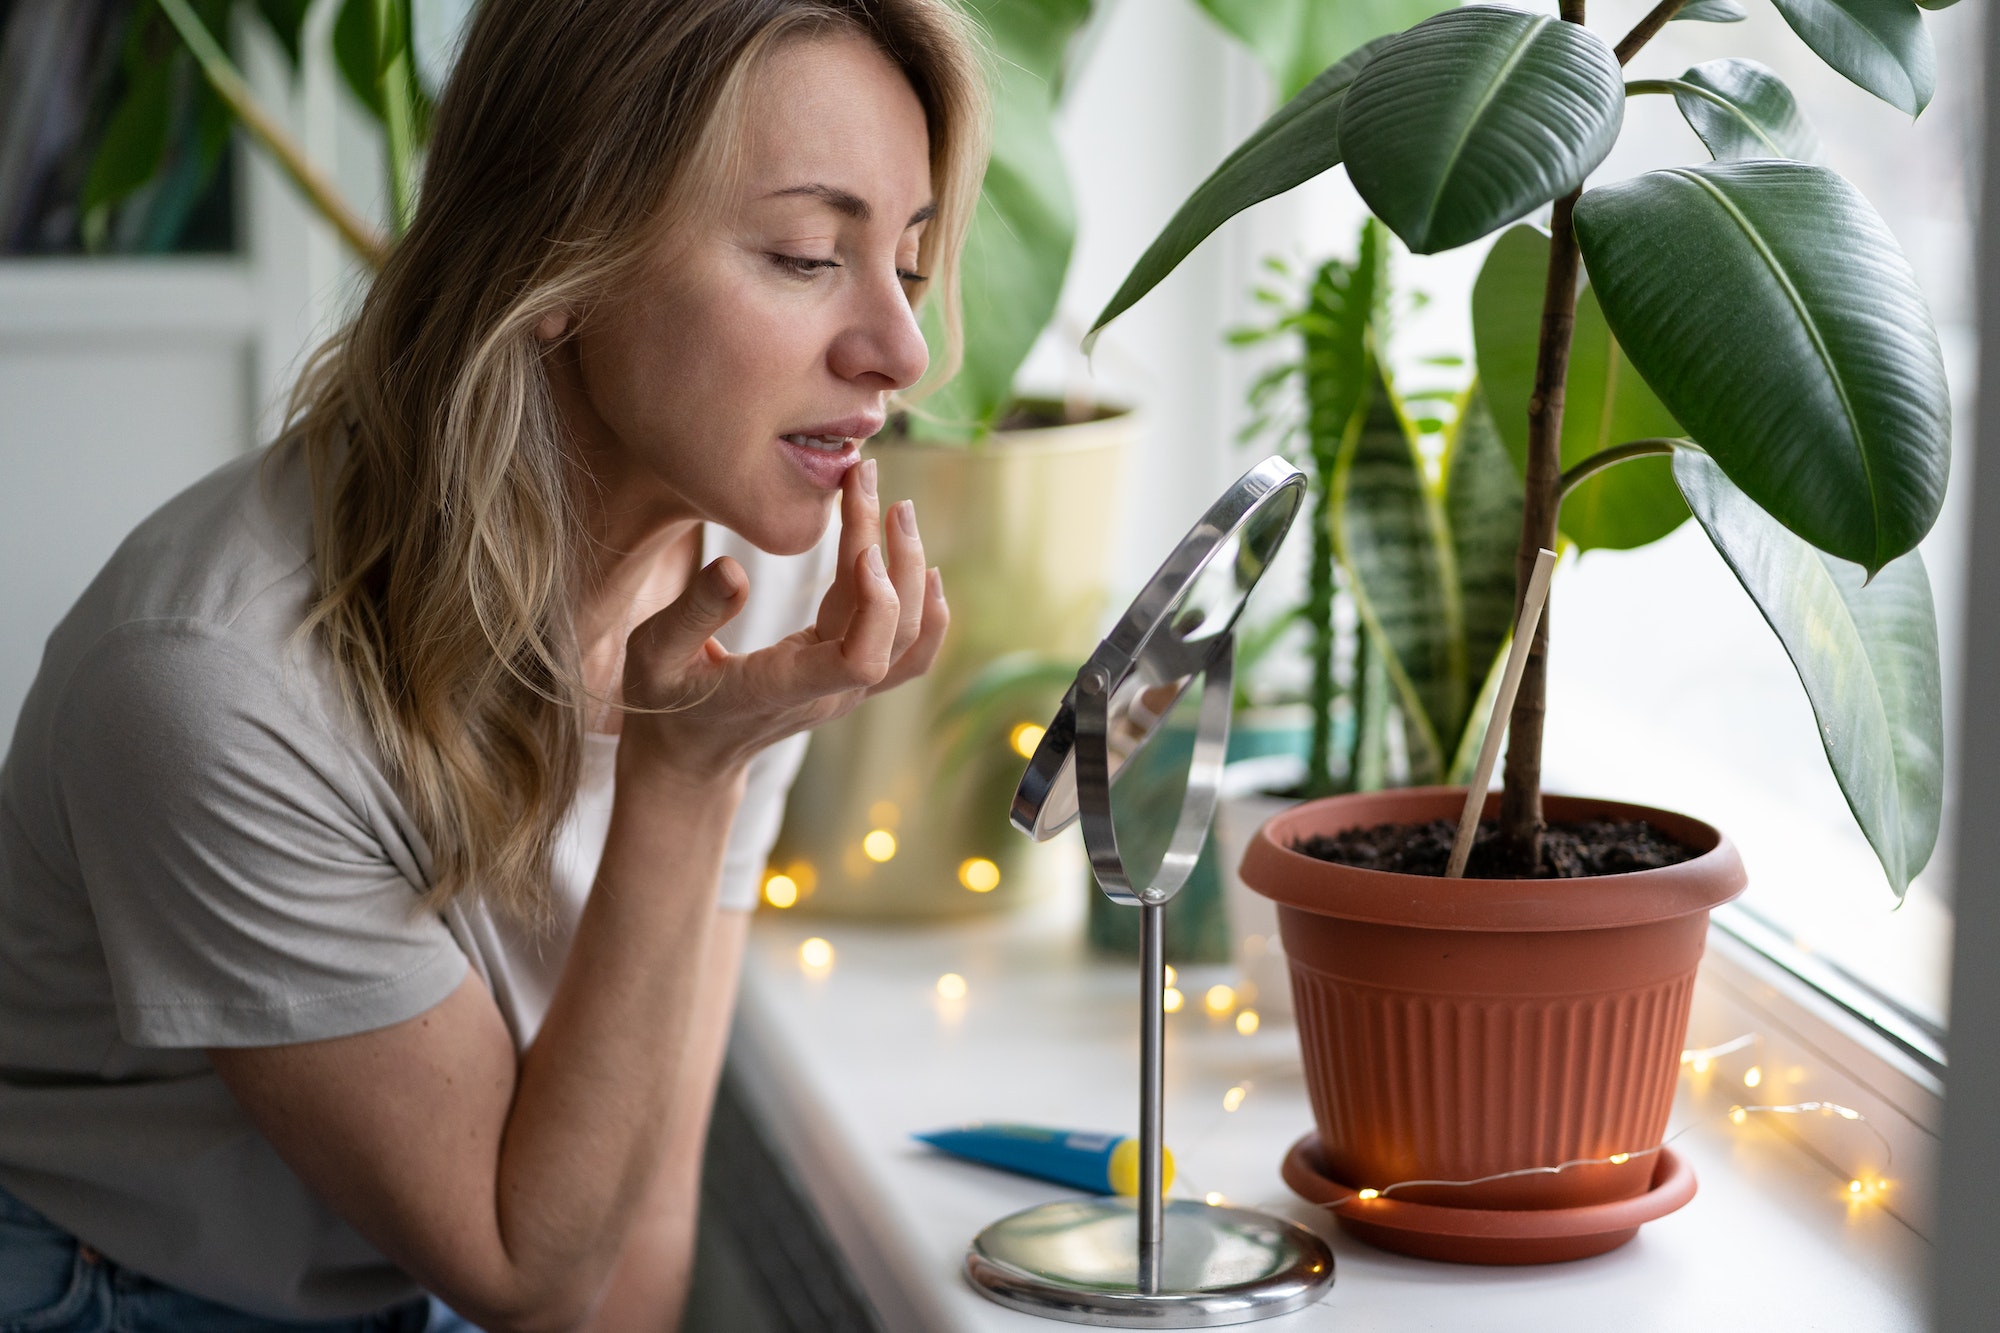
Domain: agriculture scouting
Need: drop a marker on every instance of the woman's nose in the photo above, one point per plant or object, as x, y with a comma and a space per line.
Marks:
882, 345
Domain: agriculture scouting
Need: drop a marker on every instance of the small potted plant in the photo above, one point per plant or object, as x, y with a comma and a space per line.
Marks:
1499, 1053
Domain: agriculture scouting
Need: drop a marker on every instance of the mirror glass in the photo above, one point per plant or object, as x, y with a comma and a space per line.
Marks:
1157, 650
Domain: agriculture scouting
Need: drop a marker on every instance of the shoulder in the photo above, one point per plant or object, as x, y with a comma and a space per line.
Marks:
229, 555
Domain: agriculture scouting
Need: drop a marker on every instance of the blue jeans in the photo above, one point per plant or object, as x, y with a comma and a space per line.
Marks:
52, 1283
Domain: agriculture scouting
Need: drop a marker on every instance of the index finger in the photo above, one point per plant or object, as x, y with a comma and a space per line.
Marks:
860, 528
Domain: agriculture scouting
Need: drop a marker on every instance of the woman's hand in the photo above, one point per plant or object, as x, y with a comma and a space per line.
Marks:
703, 712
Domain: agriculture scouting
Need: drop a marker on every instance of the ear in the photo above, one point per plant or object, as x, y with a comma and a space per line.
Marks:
552, 326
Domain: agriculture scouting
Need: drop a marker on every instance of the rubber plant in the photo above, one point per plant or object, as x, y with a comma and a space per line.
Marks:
393, 54
1793, 394
1424, 555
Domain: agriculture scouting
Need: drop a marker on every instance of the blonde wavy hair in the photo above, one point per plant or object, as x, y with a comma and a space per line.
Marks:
444, 520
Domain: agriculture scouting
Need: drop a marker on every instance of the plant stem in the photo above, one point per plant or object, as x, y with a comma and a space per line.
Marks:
1521, 798
1645, 29
392, 80
1521, 788
230, 85
1604, 458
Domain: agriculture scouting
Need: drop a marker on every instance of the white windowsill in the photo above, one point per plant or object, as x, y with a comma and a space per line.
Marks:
842, 1066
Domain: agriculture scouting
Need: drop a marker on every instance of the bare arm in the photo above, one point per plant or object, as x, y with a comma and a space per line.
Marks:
649, 1287
510, 1187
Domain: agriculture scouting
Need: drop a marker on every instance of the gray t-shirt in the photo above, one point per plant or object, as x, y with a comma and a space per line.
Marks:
199, 847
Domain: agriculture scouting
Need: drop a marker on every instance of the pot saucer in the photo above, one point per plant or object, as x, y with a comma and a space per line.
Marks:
1488, 1235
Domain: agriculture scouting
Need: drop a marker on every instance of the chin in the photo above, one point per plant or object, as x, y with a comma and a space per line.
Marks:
791, 533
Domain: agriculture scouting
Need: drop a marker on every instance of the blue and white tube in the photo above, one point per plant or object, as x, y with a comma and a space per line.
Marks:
1098, 1163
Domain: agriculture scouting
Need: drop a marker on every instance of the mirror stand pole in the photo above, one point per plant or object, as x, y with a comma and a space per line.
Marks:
1152, 1044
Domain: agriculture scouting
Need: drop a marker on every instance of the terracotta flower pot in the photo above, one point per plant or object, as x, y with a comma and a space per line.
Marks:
1453, 1030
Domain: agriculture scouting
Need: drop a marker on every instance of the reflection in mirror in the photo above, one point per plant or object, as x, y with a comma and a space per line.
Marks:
1148, 790
1167, 638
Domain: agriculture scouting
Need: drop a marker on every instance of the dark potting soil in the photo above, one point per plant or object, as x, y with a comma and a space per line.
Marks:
1569, 851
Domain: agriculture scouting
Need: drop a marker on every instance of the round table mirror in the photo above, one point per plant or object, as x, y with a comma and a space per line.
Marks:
1135, 752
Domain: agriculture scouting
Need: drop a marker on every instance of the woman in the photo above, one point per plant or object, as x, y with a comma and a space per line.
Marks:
362, 836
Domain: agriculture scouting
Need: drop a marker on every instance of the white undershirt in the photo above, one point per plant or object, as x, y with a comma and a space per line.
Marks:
520, 966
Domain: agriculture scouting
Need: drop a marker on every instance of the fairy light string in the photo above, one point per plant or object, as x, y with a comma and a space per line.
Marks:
1698, 1060
1735, 1115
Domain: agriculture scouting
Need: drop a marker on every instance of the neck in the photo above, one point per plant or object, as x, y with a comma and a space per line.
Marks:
638, 539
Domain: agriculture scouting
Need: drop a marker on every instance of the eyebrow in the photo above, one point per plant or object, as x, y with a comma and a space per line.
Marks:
848, 203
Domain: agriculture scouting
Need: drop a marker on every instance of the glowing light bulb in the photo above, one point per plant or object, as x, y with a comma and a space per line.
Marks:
1173, 977
816, 954
1234, 1097
1699, 1064
1369, 1194
879, 845
1172, 1000
1737, 1115
951, 986
1855, 1187
1213, 1200
1619, 1158
1024, 738
1247, 1022
1219, 1000
979, 874
781, 890
1753, 1076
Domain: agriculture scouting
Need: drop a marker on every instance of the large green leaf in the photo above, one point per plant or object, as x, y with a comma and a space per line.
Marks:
354, 52
1389, 532
1772, 311
1866, 651
1478, 117
1713, 11
1607, 403
1741, 110
1018, 249
1482, 510
1937, 4
1881, 45
1296, 39
1298, 142
135, 141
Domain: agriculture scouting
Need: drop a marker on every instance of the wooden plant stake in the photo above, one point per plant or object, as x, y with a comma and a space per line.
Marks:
1503, 703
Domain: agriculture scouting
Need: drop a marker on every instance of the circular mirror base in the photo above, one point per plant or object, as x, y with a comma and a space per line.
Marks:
1077, 1261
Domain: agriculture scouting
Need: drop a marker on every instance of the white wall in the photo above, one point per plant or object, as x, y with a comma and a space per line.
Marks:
123, 380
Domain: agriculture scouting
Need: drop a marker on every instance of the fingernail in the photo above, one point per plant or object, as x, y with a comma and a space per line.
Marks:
873, 559
905, 514
937, 581
868, 477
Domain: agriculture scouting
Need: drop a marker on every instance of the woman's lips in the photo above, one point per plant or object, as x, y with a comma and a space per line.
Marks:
823, 466
826, 450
